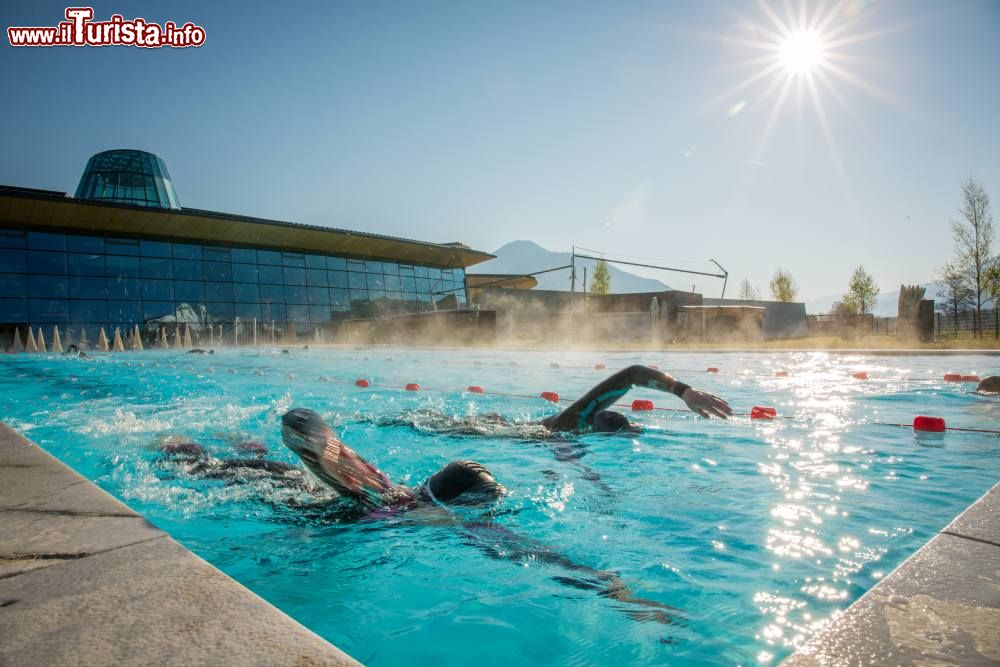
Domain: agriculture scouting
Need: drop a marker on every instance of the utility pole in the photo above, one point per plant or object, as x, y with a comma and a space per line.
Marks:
572, 271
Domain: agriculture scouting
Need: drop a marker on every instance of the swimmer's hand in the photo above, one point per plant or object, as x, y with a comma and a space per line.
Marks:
706, 404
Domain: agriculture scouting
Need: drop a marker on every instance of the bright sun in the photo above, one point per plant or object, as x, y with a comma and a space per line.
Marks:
801, 52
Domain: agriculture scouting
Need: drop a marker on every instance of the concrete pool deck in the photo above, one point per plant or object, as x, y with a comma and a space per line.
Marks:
84, 580
940, 606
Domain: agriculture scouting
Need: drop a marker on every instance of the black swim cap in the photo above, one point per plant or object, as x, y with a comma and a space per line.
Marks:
609, 421
460, 478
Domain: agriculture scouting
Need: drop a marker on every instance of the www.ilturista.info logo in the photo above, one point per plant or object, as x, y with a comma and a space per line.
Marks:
79, 29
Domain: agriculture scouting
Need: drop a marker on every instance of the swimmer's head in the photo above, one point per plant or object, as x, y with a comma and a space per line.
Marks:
463, 482
609, 421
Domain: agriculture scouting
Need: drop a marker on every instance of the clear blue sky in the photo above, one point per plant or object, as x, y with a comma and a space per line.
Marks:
605, 125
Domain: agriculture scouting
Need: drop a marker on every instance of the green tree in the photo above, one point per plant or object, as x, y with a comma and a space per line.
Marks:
955, 291
783, 286
973, 235
748, 292
862, 292
601, 282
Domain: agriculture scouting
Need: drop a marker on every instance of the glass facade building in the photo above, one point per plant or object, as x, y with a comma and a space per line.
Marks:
113, 258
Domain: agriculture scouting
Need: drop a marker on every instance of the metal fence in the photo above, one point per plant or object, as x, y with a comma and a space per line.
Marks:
966, 324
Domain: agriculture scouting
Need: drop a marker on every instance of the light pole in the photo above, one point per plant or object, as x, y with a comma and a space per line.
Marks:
724, 280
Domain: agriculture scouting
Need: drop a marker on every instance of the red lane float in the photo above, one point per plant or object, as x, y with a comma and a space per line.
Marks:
759, 412
641, 404
711, 369
361, 383
413, 386
550, 396
931, 424
952, 377
475, 389
780, 374
970, 378
860, 375
599, 367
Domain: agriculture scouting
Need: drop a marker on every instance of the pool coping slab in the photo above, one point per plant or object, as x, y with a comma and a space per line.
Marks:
84, 580
940, 606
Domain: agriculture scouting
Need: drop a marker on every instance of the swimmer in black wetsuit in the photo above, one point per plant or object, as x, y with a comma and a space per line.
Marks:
590, 411
989, 385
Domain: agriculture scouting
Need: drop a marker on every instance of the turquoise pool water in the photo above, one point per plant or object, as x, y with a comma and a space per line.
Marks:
748, 534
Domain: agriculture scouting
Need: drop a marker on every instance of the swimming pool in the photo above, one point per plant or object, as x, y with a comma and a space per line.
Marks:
752, 532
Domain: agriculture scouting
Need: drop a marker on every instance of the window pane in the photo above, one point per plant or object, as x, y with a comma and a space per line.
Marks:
46, 262
152, 310
390, 268
213, 253
247, 292
157, 290
247, 311
316, 277
423, 285
269, 257
48, 310
85, 265
337, 278
359, 295
340, 297
295, 294
319, 296
355, 265
187, 251
12, 260
319, 313
293, 259
189, 292
273, 293
245, 273
295, 276
315, 262
124, 311
88, 311
11, 238
373, 267
336, 263
118, 267
272, 311
244, 255
271, 275
87, 288
123, 288
409, 284
13, 285
89, 244
298, 313
420, 271
46, 241
14, 311
157, 267
218, 291
121, 246
218, 271
221, 311
376, 281
187, 269
405, 270
154, 249
356, 281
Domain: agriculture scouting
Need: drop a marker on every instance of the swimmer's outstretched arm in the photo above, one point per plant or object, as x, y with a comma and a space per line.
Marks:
601, 397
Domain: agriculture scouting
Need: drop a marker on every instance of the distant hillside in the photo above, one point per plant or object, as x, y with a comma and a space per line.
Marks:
527, 257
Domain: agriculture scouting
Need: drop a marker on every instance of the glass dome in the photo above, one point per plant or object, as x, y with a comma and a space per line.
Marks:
128, 177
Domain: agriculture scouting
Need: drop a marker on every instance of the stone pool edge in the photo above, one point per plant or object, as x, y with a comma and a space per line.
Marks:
940, 606
86, 580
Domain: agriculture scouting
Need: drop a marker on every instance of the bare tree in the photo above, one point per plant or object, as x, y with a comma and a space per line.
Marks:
973, 235
862, 292
783, 286
748, 292
955, 291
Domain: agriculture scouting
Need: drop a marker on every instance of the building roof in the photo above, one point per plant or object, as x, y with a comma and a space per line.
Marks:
57, 211
509, 280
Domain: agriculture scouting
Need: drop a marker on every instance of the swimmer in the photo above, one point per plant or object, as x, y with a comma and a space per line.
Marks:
989, 385
198, 350
591, 411
337, 465
198, 463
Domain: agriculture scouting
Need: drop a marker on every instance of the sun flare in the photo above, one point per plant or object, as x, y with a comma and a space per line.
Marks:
802, 52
